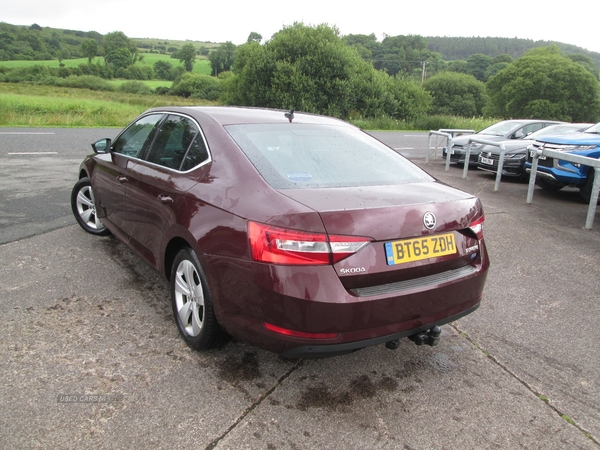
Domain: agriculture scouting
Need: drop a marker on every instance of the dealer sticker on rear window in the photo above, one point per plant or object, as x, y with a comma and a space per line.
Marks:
407, 250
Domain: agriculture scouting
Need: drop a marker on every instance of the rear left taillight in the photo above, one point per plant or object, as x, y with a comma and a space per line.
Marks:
477, 226
284, 246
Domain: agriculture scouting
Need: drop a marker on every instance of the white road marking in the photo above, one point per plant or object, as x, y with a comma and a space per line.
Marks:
22, 133
33, 153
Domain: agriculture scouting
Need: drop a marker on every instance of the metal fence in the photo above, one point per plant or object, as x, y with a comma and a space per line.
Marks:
577, 159
448, 134
535, 153
500, 145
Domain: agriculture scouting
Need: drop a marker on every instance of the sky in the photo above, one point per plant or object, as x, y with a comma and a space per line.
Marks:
574, 22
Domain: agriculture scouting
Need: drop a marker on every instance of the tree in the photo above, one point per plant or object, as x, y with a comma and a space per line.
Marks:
119, 58
456, 94
187, 55
406, 54
197, 86
61, 55
163, 70
221, 59
494, 69
477, 65
587, 62
458, 65
115, 40
312, 69
504, 58
119, 50
367, 46
545, 84
89, 48
254, 37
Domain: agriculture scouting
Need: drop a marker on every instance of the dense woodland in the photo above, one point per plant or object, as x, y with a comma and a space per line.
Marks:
452, 48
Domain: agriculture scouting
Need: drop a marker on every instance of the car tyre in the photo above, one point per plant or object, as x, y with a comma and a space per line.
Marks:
585, 190
548, 185
192, 303
84, 208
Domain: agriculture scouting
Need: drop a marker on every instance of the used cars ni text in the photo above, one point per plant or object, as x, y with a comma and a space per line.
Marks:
297, 233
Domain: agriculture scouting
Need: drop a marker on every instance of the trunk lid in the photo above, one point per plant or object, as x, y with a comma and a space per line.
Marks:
389, 212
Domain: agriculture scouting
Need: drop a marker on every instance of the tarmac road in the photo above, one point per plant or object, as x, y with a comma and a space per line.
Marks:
83, 317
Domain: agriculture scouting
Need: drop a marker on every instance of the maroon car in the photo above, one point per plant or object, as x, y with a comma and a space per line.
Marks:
294, 232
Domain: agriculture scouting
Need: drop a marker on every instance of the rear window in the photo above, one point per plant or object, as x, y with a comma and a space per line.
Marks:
292, 156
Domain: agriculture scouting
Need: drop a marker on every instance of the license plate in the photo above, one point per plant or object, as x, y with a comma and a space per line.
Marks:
532, 154
488, 161
407, 250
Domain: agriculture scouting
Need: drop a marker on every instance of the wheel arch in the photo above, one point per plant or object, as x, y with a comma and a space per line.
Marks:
171, 250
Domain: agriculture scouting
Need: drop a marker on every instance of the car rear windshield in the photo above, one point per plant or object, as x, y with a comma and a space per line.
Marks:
292, 156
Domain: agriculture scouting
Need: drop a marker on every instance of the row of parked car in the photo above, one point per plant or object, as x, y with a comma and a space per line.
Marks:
520, 138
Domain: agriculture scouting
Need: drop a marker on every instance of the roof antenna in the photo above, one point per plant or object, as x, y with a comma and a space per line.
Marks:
290, 115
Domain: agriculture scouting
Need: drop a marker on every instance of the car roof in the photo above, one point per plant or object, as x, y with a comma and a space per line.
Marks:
235, 115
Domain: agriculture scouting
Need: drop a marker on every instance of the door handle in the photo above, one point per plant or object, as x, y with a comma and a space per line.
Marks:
165, 199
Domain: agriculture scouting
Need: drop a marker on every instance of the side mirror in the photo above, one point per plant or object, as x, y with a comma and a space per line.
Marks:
102, 146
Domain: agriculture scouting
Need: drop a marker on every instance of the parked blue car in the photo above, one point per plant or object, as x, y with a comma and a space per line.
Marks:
554, 174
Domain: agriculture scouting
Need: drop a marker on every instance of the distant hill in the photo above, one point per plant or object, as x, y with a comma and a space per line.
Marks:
44, 43
452, 48
36, 43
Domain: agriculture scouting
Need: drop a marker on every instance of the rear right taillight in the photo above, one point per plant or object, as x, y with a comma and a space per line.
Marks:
284, 246
477, 226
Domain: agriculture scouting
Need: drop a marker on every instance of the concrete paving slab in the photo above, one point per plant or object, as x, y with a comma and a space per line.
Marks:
541, 302
83, 317
450, 396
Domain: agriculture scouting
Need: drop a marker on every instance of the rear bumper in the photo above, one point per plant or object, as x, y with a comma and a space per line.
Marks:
323, 351
312, 300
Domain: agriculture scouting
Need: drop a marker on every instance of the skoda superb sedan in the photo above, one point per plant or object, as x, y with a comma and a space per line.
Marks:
297, 233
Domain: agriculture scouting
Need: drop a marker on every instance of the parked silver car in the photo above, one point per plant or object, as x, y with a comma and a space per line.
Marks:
516, 150
501, 131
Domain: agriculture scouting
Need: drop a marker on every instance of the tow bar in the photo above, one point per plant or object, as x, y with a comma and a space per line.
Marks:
431, 337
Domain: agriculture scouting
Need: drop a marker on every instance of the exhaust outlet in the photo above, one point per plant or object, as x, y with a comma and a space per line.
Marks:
393, 345
431, 337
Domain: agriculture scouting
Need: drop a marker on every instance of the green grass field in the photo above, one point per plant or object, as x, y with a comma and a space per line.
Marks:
26, 105
49, 63
201, 67
152, 84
